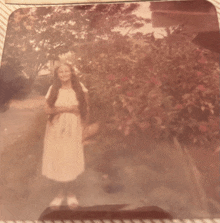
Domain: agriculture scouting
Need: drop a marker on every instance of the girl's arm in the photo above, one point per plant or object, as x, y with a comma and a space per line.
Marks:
56, 110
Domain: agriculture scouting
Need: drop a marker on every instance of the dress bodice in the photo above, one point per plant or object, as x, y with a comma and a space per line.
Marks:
66, 97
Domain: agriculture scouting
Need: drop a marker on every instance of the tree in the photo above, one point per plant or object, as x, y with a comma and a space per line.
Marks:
45, 33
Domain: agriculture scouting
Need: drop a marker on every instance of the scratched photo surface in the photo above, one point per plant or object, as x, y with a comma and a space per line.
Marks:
58, 1
149, 75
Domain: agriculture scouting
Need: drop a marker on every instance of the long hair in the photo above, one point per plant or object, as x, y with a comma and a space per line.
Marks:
76, 87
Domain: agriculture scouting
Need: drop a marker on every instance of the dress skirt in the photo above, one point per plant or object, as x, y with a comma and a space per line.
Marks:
63, 156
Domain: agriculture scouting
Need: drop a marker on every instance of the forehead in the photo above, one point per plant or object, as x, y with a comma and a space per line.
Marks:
64, 67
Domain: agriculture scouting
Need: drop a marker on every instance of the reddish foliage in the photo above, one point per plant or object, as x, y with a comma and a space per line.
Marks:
169, 94
129, 94
201, 87
124, 78
179, 106
199, 73
203, 128
111, 77
156, 81
202, 60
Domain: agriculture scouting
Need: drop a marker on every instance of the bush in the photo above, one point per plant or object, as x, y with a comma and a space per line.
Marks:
42, 84
12, 82
163, 88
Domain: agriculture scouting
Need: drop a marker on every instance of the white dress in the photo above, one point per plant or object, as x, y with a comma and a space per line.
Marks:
63, 156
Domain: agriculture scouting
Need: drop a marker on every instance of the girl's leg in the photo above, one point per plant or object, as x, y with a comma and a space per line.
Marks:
71, 198
57, 201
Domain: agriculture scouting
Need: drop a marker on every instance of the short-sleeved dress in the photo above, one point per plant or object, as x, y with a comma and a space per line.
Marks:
63, 156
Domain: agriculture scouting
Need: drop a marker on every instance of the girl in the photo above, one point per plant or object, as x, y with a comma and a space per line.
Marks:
63, 158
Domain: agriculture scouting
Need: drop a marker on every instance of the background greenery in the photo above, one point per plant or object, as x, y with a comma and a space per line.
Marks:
137, 84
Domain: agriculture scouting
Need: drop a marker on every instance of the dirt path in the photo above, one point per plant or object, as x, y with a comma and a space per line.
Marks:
18, 119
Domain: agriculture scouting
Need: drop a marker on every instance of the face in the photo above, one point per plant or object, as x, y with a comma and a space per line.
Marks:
64, 73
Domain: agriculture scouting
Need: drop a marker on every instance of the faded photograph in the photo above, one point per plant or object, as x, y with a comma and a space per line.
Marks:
33, 2
110, 111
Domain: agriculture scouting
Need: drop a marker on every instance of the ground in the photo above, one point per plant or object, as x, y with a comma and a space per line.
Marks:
162, 176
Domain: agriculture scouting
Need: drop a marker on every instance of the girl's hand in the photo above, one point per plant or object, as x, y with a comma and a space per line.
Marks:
84, 124
69, 109
49, 110
74, 109
56, 110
